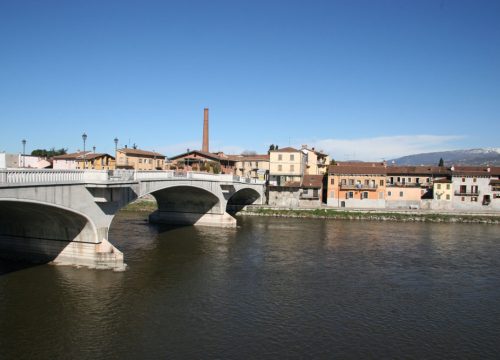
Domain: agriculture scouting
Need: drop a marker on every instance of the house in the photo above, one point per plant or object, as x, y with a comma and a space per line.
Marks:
20, 161
408, 185
96, 161
295, 194
67, 161
251, 166
197, 160
316, 161
138, 159
286, 165
474, 187
357, 185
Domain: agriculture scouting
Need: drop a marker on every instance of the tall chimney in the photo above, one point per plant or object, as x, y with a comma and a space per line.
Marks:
205, 130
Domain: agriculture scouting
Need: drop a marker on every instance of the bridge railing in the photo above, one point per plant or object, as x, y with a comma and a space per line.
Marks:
20, 176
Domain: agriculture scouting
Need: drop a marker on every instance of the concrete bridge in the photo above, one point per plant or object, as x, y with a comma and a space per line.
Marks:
64, 216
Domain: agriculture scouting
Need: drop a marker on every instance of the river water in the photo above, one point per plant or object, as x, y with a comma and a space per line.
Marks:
272, 288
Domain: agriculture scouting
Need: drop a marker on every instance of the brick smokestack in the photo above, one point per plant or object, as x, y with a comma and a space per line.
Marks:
205, 131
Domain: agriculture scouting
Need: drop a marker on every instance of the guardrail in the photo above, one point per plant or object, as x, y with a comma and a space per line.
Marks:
28, 176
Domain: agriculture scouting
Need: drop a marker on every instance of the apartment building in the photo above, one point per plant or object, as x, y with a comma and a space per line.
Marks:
96, 161
68, 161
286, 165
357, 185
138, 159
251, 166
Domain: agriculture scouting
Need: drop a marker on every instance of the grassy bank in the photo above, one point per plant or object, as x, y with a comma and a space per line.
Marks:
375, 216
141, 206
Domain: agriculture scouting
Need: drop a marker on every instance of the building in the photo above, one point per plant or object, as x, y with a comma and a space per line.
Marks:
357, 185
67, 161
408, 185
316, 161
196, 160
295, 194
251, 166
138, 159
474, 187
20, 161
286, 165
96, 161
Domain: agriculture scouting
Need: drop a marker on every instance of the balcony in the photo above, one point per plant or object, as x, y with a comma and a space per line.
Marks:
358, 187
466, 193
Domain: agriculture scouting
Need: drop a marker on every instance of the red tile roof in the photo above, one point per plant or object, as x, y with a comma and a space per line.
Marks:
128, 151
358, 168
312, 181
417, 170
286, 149
72, 156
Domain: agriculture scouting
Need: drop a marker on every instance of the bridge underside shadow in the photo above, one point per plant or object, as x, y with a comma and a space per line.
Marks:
42, 233
240, 199
187, 205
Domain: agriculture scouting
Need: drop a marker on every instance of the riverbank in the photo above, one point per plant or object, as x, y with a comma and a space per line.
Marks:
343, 214
374, 215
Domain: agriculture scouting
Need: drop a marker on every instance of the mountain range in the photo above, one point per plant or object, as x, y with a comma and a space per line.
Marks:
482, 156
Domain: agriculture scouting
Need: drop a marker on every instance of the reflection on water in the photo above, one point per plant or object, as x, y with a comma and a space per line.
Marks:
271, 288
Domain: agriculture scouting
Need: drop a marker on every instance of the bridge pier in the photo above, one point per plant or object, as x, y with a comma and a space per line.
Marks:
188, 218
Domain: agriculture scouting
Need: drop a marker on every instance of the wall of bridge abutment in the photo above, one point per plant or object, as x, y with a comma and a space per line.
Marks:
64, 224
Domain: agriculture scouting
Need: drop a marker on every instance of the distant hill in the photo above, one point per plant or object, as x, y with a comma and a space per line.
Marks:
487, 156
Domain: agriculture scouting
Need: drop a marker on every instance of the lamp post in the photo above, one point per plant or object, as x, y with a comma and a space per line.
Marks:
116, 144
24, 152
84, 137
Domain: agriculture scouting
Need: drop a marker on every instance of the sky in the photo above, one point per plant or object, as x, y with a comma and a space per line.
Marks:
366, 80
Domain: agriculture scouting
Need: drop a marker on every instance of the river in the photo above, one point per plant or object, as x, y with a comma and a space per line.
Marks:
272, 288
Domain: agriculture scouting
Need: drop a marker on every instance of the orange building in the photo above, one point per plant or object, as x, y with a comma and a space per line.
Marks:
357, 185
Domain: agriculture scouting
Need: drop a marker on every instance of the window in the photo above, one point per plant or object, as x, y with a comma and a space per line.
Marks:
140, 161
447, 196
389, 193
447, 186
350, 195
381, 182
463, 179
400, 194
367, 182
280, 167
417, 180
463, 199
364, 195
409, 180
343, 181
292, 168
280, 157
474, 180
292, 157
351, 181
439, 186
332, 181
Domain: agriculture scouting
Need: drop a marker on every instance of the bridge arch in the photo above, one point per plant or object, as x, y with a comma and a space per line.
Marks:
240, 199
44, 232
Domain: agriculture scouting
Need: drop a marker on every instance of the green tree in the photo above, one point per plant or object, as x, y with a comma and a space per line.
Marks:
49, 153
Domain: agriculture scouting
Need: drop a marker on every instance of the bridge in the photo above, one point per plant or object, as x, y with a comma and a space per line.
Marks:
64, 216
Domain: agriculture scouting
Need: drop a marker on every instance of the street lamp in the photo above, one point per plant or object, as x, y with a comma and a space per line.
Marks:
84, 137
116, 145
24, 152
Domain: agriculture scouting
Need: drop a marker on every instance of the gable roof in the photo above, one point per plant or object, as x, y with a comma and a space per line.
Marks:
129, 151
358, 168
286, 149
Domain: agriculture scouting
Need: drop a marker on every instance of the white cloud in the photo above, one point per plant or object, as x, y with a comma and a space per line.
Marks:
384, 147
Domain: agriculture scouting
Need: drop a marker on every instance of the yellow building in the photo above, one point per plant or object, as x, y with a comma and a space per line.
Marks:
251, 166
316, 161
442, 189
286, 165
95, 161
138, 159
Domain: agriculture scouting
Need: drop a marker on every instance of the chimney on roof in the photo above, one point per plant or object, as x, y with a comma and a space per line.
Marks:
125, 146
205, 131
304, 146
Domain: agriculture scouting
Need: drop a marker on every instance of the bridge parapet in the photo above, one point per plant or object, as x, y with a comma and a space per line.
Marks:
54, 176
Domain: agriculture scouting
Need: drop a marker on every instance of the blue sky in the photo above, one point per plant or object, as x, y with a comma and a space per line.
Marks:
366, 79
